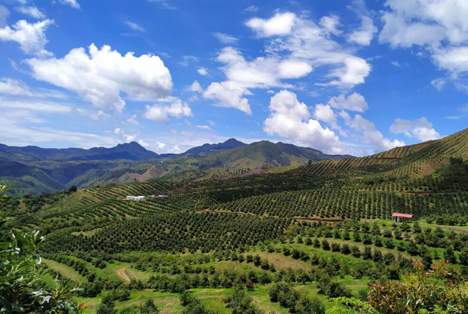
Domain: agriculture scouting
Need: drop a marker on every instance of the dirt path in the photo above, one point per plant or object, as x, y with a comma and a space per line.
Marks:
121, 272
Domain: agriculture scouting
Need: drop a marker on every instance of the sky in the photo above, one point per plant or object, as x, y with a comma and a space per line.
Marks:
344, 77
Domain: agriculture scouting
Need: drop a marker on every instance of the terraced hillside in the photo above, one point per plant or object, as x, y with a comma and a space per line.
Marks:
412, 161
310, 235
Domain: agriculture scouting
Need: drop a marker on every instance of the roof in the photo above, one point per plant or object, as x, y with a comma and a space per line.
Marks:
402, 215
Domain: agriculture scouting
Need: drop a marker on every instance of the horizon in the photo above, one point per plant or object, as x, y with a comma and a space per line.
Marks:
342, 79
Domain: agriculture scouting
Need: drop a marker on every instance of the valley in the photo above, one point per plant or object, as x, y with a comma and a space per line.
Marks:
318, 235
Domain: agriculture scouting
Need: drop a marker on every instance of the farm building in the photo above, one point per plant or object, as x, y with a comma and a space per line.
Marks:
397, 217
134, 198
163, 196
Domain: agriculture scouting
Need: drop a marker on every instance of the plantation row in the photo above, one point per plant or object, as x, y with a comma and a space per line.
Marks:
349, 204
136, 188
173, 233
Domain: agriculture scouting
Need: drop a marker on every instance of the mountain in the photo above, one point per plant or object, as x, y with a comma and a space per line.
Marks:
130, 151
266, 154
208, 149
411, 161
36, 170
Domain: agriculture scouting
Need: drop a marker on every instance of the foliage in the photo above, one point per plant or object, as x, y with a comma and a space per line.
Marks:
21, 268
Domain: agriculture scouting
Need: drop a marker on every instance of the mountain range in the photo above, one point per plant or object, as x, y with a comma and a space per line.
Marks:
35, 170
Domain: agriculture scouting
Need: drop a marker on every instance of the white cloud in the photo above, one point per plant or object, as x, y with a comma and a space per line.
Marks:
330, 24
298, 47
103, 75
14, 87
35, 105
31, 11
195, 87
293, 69
133, 120
202, 71
187, 60
203, 127
4, 13
72, 3
438, 83
229, 95
160, 147
99, 116
135, 27
354, 72
14, 132
211, 122
124, 137
30, 37
363, 36
354, 102
370, 134
226, 38
440, 27
290, 119
396, 64
161, 112
280, 24
325, 113
420, 129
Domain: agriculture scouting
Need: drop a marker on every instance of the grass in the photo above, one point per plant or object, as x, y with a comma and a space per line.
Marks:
65, 271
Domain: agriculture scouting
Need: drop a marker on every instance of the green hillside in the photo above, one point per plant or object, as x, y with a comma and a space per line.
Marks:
322, 233
49, 170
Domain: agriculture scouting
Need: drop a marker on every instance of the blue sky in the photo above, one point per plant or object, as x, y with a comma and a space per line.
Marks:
352, 77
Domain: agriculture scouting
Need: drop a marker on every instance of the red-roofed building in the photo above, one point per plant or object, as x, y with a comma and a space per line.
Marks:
397, 217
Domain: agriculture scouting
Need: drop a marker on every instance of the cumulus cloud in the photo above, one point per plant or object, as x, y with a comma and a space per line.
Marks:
330, 24
325, 113
225, 38
290, 119
421, 129
31, 11
370, 134
102, 75
195, 87
354, 102
72, 3
295, 47
439, 27
30, 37
279, 24
363, 36
203, 127
228, 95
161, 112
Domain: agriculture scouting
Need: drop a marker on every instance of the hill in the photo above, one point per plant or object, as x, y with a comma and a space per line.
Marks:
414, 161
48, 170
326, 234
266, 154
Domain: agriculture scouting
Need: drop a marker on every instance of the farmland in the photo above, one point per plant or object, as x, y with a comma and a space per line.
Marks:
313, 233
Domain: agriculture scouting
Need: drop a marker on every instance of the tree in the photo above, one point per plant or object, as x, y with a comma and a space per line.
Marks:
149, 307
240, 302
21, 269
449, 255
107, 306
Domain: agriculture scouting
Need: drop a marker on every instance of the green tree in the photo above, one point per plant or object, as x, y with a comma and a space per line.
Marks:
21, 269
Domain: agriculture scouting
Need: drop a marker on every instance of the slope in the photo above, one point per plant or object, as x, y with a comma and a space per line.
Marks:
413, 161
